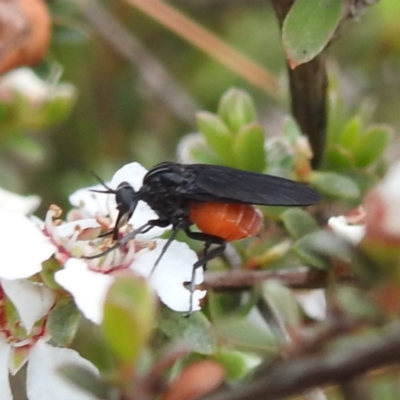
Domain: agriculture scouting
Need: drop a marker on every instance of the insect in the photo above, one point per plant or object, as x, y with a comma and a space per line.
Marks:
219, 200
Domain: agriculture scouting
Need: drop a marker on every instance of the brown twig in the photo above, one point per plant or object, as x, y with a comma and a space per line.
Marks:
308, 82
151, 71
295, 278
308, 86
290, 377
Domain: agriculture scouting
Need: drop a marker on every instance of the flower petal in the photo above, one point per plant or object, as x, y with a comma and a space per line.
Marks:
32, 300
5, 350
91, 202
15, 202
171, 274
132, 173
44, 381
351, 233
23, 246
88, 288
313, 302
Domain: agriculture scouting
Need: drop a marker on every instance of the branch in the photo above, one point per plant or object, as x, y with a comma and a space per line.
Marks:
295, 278
290, 377
308, 86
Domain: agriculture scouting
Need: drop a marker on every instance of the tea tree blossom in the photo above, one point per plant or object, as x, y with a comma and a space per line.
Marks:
89, 280
24, 307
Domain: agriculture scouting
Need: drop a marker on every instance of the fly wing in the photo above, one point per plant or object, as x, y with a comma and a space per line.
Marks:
229, 185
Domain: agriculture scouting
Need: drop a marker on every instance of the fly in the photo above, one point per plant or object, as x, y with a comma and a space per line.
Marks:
218, 200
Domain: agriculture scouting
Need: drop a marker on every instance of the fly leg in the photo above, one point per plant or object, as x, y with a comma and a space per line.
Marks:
131, 235
208, 255
175, 230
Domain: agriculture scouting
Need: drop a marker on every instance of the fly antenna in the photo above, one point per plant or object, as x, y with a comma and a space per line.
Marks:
109, 190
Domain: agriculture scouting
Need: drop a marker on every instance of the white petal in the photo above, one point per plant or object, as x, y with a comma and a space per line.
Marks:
91, 202
173, 271
23, 246
143, 214
32, 300
132, 173
389, 193
5, 390
313, 303
88, 288
25, 82
15, 202
69, 228
351, 233
44, 381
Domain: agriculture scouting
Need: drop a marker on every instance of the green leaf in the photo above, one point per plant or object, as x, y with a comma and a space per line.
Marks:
337, 157
129, 313
204, 155
372, 145
240, 333
194, 330
298, 222
282, 302
334, 185
62, 323
308, 28
236, 108
351, 134
237, 364
249, 148
217, 135
85, 379
305, 249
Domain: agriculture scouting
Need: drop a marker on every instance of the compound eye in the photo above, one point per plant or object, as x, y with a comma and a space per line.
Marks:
125, 197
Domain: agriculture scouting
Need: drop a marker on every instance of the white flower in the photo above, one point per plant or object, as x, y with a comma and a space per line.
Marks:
313, 302
89, 280
344, 229
27, 84
89, 288
43, 379
23, 246
15, 202
382, 206
24, 340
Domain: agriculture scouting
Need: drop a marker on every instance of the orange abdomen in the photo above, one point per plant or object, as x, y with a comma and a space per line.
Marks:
227, 221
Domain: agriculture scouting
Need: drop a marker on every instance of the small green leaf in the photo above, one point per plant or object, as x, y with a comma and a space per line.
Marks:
305, 249
217, 135
249, 148
298, 222
308, 28
129, 313
204, 155
194, 330
351, 134
372, 145
240, 333
237, 364
334, 185
282, 302
236, 108
337, 157
85, 379
62, 322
